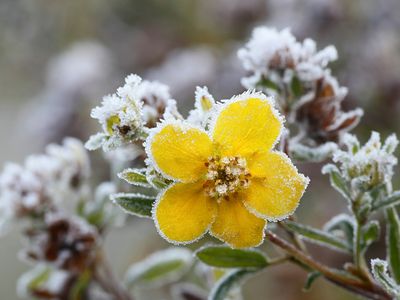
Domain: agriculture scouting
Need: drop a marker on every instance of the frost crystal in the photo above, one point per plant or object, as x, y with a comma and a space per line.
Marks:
58, 174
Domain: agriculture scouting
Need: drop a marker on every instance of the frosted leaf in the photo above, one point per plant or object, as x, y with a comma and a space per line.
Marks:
315, 154
160, 268
380, 272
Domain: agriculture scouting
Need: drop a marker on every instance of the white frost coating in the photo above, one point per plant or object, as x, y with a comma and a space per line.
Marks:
315, 154
269, 51
134, 273
285, 181
60, 173
380, 272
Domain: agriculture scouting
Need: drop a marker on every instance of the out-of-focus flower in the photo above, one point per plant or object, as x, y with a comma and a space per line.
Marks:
228, 181
298, 75
43, 180
67, 243
126, 115
277, 55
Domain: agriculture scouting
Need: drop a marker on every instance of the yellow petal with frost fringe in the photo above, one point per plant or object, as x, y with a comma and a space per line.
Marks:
276, 192
184, 212
236, 226
180, 151
247, 126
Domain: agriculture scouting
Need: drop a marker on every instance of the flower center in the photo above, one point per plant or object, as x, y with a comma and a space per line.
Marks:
226, 175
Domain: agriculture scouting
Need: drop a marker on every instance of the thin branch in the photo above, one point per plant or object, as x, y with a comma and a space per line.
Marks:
367, 289
109, 282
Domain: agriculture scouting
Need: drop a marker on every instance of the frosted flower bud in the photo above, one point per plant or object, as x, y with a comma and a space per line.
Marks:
126, 115
204, 103
370, 165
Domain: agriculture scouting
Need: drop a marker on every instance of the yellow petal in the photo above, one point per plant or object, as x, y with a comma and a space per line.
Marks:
180, 151
236, 226
246, 125
277, 195
184, 212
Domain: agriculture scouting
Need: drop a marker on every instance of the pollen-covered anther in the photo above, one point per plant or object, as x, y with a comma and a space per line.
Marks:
226, 175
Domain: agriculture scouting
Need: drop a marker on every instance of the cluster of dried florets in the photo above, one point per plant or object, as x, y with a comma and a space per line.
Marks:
298, 76
65, 242
62, 246
43, 181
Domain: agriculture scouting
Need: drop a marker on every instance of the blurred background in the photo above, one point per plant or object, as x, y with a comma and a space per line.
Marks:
58, 58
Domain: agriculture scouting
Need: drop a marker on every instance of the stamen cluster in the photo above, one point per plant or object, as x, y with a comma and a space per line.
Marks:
226, 175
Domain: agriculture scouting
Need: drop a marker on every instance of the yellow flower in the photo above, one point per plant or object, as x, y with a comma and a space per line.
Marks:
227, 181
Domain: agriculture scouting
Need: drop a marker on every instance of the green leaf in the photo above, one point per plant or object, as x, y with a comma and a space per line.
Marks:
337, 181
135, 176
380, 273
344, 223
318, 236
311, 277
392, 200
269, 84
160, 268
393, 241
81, 285
41, 278
296, 87
225, 257
136, 204
227, 283
96, 141
370, 234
